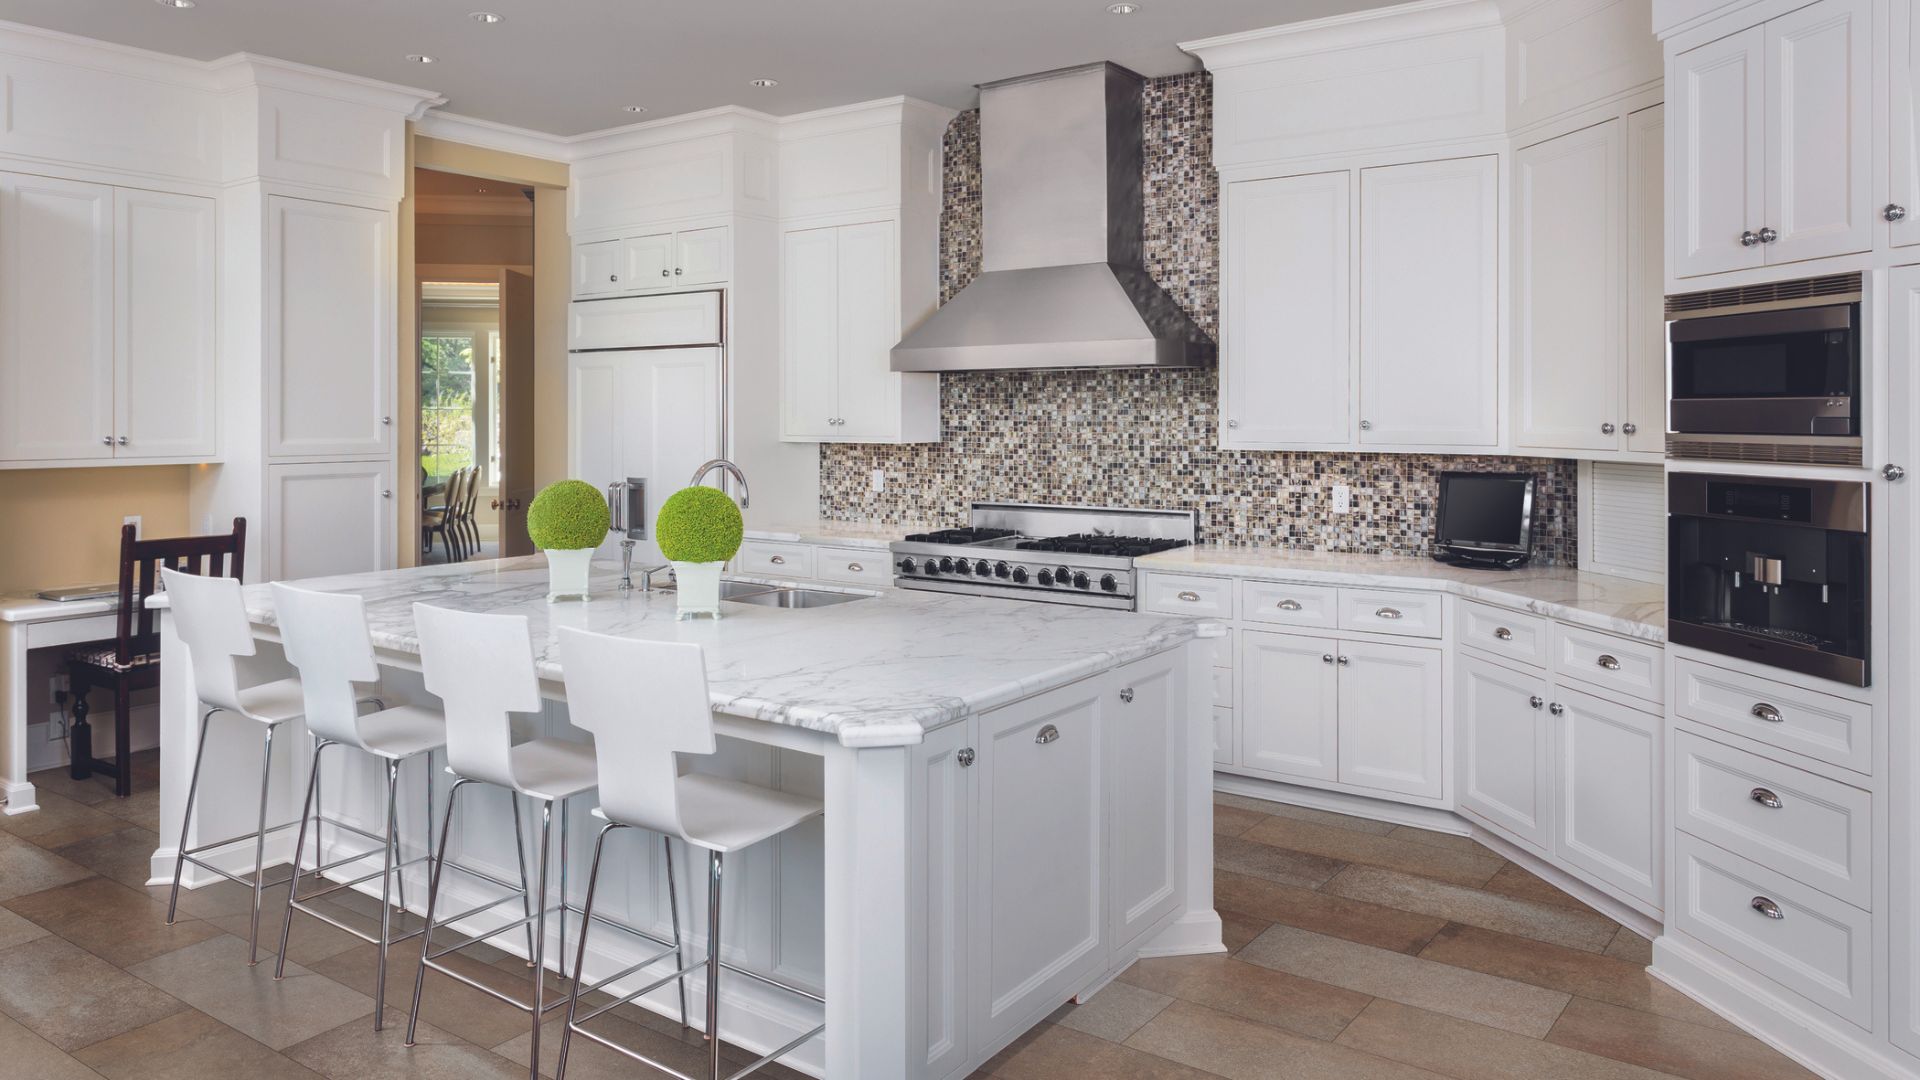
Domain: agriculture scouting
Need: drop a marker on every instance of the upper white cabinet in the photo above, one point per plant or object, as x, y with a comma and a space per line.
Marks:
654, 261
329, 330
1902, 212
1770, 142
1429, 303
107, 338
1285, 358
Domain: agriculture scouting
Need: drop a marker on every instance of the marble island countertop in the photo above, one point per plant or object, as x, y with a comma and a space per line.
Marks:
880, 671
1618, 605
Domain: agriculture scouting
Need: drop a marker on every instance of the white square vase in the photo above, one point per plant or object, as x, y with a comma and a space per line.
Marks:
697, 585
568, 573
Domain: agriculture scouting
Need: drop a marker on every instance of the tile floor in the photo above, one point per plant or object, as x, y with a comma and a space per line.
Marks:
1360, 951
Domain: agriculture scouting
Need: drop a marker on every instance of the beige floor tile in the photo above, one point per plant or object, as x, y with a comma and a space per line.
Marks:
1347, 845
1117, 1011
1667, 1045
1251, 992
188, 1045
25, 867
1243, 1050
1237, 929
1232, 820
1356, 920
446, 1003
1522, 884
310, 940
92, 791
29, 1055
1631, 947
354, 1051
1274, 864
1583, 974
1450, 841
1304, 813
126, 856
223, 898
1056, 1053
141, 808
1476, 907
120, 925
1472, 1051
59, 820
1469, 995
588, 1060
72, 998
213, 977
14, 929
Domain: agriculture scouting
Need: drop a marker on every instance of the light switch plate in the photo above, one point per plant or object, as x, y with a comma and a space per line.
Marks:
1342, 499
879, 480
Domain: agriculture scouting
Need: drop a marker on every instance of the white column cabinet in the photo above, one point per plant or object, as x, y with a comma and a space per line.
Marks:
1643, 418
1146, 727
867, 280
56, 319
164, 347
1289, 703
1505, 748
1718, 155
1607, 818
329, 517
652, 413
1392, 731
1903, 209
1900, 501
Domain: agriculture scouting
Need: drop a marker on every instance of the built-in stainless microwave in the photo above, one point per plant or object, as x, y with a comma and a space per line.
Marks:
1768, 382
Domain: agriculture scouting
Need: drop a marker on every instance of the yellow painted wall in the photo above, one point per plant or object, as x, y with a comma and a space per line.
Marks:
62, 526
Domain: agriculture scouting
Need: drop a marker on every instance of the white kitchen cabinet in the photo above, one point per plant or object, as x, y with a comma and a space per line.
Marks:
653, 261
1607, 819
1505, 749
56, 319
1145, 729
1285, 354
941, 829
329, 330
329, 517
164, 347
702, 256
596, 269
1643, 420
647, 262
1429, 304
1770, 145
840, 317
1902, 212
1392, 735
649, 413
1289, 705
1900, 501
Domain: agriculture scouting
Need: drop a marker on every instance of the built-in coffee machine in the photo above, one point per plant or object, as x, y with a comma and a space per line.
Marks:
1769, 570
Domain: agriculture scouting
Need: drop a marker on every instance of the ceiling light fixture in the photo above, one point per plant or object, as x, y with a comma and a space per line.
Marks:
633, 108
174, 3
420, 58
764, 84
1122, 9
486, 18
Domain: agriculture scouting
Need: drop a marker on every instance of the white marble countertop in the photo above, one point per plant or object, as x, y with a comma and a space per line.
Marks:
29, 608
880, 671
862, 534
1635, 609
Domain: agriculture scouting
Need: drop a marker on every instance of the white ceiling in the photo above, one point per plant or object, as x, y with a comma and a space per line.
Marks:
567, 66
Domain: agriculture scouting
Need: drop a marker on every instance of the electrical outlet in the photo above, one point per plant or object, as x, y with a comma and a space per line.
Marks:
1342, 499
61, 684
879, 480
133, 520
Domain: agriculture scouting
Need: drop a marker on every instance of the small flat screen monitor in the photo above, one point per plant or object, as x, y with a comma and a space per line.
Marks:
1485, 517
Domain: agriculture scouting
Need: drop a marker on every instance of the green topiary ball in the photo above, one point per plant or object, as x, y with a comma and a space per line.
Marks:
567, 516
699, 525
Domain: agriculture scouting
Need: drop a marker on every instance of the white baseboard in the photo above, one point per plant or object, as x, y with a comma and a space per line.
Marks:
1192, 934
1340, 802
20, 797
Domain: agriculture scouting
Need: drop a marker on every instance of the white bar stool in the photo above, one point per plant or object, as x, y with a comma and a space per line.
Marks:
326, 640
212, 623
645, 703
481, 666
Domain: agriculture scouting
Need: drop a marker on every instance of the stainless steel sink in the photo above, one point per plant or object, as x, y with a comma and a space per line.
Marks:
794, 598
734, 590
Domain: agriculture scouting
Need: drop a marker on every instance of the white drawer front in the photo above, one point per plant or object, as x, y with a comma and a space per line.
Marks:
1818, 947
774, 559
1609, 662
854, 566
1223, 688
1405, 613
1808, 827
1508, 634
1223, 736
1184, 594
649, 321
1830, 729
1289, 604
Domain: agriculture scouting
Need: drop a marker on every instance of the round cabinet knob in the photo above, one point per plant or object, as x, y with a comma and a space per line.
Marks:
1749, 238
1557, 709
1046, 577
1082, 581
1233, 423
1366, 425
1892, 473
613, 277
1629, 428
1607, 428
1536, 701
907, 566
387, 494
1769, 234
1108, 583
1326, 658
1343, 661
1019, 575
1002, 570
665, 273
676, 271
106, 440
1894, 212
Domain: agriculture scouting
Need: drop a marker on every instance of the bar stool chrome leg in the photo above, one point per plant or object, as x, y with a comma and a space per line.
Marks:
311, 804
433, 899
186, 816
389, 855
540, 940
520, 861
673, 913
713, 965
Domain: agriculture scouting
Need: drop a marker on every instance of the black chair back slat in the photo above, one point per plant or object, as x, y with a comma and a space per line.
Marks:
140, 564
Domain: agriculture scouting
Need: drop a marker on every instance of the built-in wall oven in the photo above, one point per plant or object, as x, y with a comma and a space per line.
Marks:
1770, 570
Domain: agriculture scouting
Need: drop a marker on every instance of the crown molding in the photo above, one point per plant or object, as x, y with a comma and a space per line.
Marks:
1375, 26
491, 135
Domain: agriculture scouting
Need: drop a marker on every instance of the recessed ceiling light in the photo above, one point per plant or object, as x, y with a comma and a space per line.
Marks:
633, 108
486, 18
174, 3
420, 58
764, 84
1122, 9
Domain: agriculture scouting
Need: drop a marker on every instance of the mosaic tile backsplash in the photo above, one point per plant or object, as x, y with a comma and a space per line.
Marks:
1149, 438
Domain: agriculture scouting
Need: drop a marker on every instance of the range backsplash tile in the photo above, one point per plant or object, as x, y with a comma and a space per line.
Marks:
1148, 438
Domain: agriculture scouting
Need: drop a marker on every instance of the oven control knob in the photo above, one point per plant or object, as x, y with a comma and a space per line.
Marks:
1001, 570
930, 568
1046, 577
1081, 581
1019, 575
983, 568
907, 566
946, 566
1108, 583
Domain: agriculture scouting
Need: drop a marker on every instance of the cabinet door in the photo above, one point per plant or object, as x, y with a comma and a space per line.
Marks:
1901, 502
327, 518
596, 269
1286, 362
329, 329
1145, 736
1607, 820
1430, 303
1569, 289
868, 278
650, 413
1038, 869
940, 833
1644, 421
56, 319
163, 338
700, 256
646, 262
1718, 160
1504, 744
1289, 705
810, 333
1391, 735
1904, 186
1819, 119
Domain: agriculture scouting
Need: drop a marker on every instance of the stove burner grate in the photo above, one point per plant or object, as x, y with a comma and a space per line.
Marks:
959, 536
1090, 544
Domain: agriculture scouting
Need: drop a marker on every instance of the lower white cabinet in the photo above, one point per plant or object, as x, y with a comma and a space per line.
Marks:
1289, 705
329, 517
1143, 733
1607, 773
1505, 747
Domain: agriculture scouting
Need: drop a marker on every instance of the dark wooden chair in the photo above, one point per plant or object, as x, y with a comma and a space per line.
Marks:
131, 660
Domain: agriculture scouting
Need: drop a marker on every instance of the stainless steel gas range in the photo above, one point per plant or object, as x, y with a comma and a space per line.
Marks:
1056, 554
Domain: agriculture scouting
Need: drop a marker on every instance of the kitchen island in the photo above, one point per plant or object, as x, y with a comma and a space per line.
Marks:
970, 873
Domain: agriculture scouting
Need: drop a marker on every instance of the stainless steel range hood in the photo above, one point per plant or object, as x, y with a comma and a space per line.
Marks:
1062, 284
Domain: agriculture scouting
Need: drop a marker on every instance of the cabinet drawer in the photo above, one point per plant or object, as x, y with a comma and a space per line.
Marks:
1609, 662
1404, 613
1830, 729
1818, 947
1807, 827
1223, 736
1223, 688
854, 566
1183, 594
1289, 604
774, 559
1503, 633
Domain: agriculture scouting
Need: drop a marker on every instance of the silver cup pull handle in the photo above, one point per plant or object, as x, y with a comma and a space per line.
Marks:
855, 567
1766, 907
1048, 734
1766, 712
1387, 613
1765, 798
1289, 605
1503, 633
1190, 597
1608, 661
